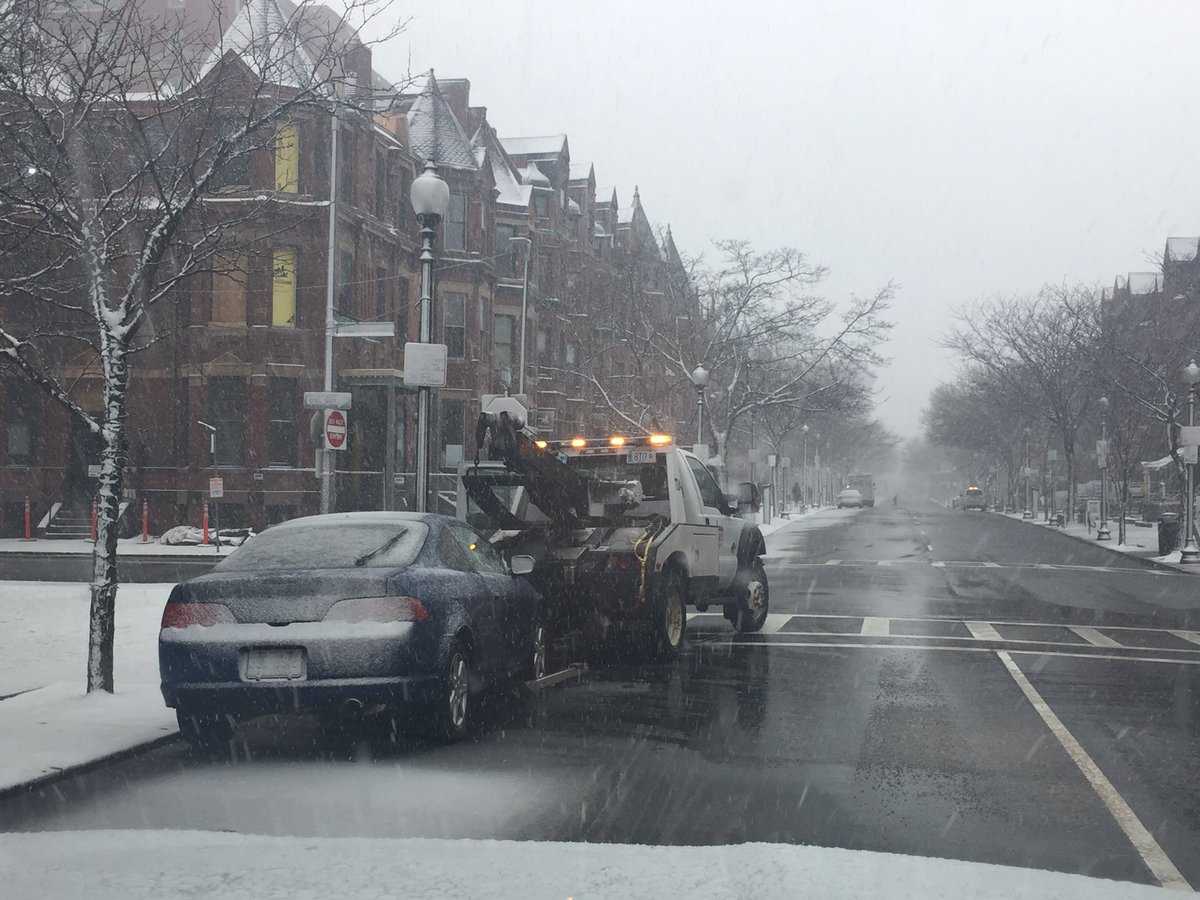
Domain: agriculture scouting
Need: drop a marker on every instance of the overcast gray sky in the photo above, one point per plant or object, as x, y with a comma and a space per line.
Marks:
959, 148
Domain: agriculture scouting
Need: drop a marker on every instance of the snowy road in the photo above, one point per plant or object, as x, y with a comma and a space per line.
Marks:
931, 682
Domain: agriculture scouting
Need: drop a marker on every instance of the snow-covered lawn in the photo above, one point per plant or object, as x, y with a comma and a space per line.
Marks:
43, 633
151, 865
51, 725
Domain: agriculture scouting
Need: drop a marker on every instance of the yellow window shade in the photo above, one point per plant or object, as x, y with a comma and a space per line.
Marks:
287, 159
283, 287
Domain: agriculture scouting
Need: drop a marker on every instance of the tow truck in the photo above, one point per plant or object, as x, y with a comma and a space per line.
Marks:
627, 532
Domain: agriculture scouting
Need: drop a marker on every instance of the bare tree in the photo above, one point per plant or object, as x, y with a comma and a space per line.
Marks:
118, 129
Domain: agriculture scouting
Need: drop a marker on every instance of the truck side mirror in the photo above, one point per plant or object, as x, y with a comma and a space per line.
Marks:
733, 504
521, 564
748, 497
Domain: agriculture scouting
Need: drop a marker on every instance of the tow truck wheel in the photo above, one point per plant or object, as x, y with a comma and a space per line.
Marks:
749, 613
670, 614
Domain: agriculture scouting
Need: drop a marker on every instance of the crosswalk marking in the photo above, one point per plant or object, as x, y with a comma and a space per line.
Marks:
833, 562
1190, 636
876, 626
991, 565
774, 622
1093, 636
982, 631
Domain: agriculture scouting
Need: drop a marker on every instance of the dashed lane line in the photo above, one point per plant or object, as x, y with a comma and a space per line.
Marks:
982, 631
1094, 637
1143, 841
876, 626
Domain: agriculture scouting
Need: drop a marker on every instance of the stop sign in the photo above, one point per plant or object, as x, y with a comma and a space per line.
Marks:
335, 429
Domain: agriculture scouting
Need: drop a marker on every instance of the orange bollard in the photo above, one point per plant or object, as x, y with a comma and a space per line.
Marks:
145, 521
204, 523
28, 521
94, 517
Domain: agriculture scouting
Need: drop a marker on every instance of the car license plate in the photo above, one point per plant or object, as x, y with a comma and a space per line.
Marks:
275, 664
639, 457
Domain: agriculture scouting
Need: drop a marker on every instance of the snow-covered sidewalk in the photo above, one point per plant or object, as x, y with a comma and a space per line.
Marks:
125, 547
47, 723
809, 520
1139, 541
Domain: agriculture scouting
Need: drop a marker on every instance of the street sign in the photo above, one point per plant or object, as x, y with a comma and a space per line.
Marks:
327, 400
335, 429
424, 365
216, 488
701, 450
772, 458
787, 462
1189, 454
1189, 436
364, 329
94, 470
1101, 448
1052, 455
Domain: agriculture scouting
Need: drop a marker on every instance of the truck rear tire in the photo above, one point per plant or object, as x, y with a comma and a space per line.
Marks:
748, 613
670, 614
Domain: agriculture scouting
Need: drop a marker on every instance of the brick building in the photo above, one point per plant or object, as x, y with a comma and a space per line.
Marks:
240, 346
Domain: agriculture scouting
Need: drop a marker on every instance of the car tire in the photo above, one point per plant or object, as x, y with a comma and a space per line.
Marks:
748, 613
206, 733
453, 713
669, 615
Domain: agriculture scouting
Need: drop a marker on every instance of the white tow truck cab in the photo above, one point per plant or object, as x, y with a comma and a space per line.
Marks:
628, 531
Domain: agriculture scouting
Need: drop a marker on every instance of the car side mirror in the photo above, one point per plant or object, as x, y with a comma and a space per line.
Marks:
748, 497
521, 564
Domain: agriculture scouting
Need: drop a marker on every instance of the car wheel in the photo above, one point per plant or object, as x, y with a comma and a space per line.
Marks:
754, 601
670, 614
454, 706
206, 733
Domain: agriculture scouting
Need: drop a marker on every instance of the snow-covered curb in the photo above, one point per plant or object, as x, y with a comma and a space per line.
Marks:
47, 732
149, 865
125, 547
1135, 551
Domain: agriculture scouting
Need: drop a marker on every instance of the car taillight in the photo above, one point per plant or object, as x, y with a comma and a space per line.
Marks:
378, 609
181, 615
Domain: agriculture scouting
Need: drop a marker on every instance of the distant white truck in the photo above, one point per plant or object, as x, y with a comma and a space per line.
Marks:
865, 485
628, 532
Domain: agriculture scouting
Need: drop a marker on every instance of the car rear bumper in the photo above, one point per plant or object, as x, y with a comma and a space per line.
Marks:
261, 698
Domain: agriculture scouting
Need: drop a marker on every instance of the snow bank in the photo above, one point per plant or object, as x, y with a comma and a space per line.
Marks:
148, 865
47, 730
43, 633
125, 547
810, 521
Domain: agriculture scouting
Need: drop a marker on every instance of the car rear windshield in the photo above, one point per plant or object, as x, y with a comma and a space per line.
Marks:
333, 545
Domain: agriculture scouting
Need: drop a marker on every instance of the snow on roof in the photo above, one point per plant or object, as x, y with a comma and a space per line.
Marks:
1142, 283
435, 133
268, 42
573, 207
580, 171
1183, 249
544, 145
604, 194
531, 174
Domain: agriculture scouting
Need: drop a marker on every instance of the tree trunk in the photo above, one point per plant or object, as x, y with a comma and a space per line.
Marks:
102, 619
1069, 453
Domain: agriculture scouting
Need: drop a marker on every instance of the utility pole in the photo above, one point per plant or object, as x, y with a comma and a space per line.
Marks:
327, 456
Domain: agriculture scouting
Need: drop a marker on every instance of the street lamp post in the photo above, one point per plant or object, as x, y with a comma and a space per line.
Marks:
700, 380
1028, 511
430, 199
1190, 552
804, 471
524, 310
1102, 533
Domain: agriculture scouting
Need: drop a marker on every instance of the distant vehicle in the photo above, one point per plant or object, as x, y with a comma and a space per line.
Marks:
850, 498
974, 498
338, 614
865, 485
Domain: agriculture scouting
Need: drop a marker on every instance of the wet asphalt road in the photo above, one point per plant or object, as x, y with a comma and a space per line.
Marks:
876, 711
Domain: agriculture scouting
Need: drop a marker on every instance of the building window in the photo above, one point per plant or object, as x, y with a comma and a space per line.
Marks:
506, 327
541, 204
381, 185
404, 206
454, 325
345, 293
383, 285
287, 159
283, 287
569, 354
228, 289
403, 304
506, 250
281, 430
21, 414
454, 232
454, 429
226, 412
236, 170
345, 163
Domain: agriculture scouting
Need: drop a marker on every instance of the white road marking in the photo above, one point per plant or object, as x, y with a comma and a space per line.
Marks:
1143, 841
876, 626
885, 562
982, 631
774, 622
1094, 637
833, 562
939, 564
1012, 642
1186, 635
958, 648
991, 565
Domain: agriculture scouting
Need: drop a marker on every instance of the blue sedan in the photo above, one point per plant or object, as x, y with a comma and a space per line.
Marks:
402, 613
